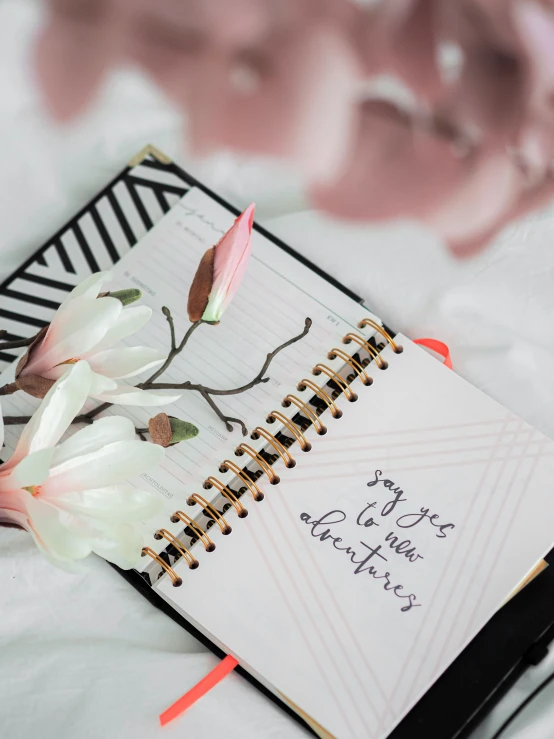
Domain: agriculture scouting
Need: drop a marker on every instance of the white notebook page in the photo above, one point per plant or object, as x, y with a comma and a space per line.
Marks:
444, 499
277, 294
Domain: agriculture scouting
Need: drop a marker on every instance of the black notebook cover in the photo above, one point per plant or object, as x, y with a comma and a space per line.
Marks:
95, 239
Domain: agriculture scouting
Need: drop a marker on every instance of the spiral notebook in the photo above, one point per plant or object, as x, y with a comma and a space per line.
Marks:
353, 551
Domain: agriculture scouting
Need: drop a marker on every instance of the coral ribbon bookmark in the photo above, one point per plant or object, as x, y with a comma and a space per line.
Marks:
214, 677
439, 347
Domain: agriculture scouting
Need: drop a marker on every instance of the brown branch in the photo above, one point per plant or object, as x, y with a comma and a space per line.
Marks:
205, 392
227, 420
5, 345
9, 389
235, 391
174, 351
16, 420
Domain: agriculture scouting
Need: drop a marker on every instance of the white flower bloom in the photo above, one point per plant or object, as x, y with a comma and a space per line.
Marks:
73, 498
85, 327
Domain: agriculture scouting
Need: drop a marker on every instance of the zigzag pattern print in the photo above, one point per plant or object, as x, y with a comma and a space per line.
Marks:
97, 237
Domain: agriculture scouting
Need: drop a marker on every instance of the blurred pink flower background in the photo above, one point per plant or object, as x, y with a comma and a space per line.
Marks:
464, 148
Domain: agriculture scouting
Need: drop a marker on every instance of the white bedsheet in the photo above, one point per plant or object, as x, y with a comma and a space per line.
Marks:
85, 656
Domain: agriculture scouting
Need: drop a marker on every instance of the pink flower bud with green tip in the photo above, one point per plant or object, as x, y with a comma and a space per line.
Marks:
221, 270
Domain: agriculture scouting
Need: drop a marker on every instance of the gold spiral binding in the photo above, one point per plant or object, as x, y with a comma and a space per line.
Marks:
250, 484
175, 579
295, 431
319, 427
209, 546
281, 450
397, 349
349, 394
228, 493
168, 536
379, 361
335, 412
214, 513
267, 468
356, 366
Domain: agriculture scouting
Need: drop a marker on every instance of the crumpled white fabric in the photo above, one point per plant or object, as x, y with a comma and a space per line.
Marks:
85, 656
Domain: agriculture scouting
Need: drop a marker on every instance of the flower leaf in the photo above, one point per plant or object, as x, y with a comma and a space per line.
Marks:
127, 296
182, 430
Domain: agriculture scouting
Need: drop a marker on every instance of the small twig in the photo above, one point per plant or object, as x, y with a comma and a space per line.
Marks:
227, 420
169, 317
16, 420
15, 344
235, 391
174, 351
9, 389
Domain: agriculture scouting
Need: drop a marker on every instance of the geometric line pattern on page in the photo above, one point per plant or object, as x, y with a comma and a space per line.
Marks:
514, 434
477, 454
479, 488
519, 497
94, 240
504, 540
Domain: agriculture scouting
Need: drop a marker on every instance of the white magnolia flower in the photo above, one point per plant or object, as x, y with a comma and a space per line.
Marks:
86, 327
73, 498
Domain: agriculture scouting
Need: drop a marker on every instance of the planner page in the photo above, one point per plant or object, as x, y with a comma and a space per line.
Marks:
359, 578
276, 295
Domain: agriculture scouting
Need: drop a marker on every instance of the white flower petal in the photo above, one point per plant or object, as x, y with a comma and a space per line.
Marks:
89, 287
92, 438
61, 404
32, 470
119, 543
72, 566
128, 322
118, 503
58, 531
125, 362
111, 465
136, 396
98, 383
101, 384
74, 333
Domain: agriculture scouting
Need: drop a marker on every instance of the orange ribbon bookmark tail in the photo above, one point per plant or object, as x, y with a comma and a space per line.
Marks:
439, 347
214, 677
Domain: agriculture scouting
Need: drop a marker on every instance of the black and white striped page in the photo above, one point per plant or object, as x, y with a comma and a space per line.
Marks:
95, 239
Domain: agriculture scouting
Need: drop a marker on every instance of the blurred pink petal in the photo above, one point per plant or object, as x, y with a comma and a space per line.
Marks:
383, 176
414, 48
488, 191
530, 201
485, 94
71, 61
237, 23
295, 100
